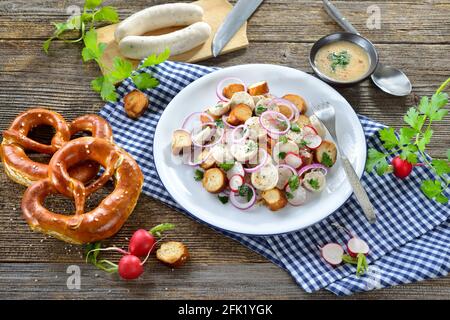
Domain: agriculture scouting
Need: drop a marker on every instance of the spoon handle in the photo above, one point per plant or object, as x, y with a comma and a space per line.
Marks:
338, 17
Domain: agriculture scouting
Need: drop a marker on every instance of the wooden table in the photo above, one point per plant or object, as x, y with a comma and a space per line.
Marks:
414, 36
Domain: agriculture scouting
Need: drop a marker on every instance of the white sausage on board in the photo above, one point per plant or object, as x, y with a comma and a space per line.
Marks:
157, 17
139, 47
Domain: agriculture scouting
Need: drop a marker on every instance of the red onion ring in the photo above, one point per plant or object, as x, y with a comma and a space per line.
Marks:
189, 117
313, 166
219, 88
279, 115
243, 205
295, 113
261, 164
245, 135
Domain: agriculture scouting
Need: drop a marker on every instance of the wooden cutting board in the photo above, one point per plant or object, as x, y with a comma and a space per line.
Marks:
215, 13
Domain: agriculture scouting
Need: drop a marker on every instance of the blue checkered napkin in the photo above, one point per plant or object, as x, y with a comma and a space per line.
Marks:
408, 243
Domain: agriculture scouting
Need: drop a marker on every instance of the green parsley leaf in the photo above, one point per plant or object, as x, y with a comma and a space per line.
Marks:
223, 199
97, 83
326, 160
282, 155
92, 4
260, 109
414, 119
46, 44
154, 59
144, 81
448, 154
425, 139
108, 14
314, 183
226, 165
92, 51
406, 134
341, 59
387, 135
198, 175
108, 91
122, 69
160, 228
409, 152
219, 123
441, 167
245, 191
289, 195
294, 182
376, 160
303, 143
295, 127
433, 190
283, 139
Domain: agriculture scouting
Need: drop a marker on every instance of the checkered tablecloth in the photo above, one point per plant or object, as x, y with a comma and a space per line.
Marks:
409, 242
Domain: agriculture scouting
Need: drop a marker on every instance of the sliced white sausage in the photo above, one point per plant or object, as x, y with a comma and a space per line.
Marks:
219, 109
314, 181
266, 178
157, 17
139, 47
297, 137
283, 177
281, 147
256, 132
242, 97
202, 136
221, 153
244, 151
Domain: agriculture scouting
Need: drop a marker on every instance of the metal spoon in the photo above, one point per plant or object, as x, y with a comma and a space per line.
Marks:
388, 79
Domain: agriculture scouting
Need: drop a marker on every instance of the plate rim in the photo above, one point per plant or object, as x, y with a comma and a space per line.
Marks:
195, 217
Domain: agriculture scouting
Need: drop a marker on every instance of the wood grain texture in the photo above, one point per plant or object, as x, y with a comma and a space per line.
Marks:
281, 32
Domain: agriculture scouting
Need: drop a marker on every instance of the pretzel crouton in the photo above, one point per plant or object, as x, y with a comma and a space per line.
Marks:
231, 89
181, 139
209, 162
328, 148
239, 114
172, 253
258, 88
275, 199
298, 101
214, 180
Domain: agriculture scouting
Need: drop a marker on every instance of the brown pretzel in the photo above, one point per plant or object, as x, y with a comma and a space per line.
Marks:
100, 223
22, 169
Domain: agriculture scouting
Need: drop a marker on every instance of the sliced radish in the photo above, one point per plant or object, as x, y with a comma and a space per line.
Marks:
284, 173
293, 159
235, 182
296, 197
332, 253
356, 245
308, 130
237, 169
312, 141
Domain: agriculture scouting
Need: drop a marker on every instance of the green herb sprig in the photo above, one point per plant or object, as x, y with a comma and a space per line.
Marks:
341, 59
411, 142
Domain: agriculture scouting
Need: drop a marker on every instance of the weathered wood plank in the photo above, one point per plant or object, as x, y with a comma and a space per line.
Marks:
231, 281
275, 20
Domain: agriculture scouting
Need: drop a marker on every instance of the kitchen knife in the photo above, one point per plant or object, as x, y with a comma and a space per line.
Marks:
233, 21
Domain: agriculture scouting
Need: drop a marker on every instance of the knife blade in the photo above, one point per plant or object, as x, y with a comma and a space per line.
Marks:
233, 21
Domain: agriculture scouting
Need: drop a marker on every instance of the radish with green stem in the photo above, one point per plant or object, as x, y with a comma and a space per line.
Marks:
356, 246
142, 240
130, 267
402, 168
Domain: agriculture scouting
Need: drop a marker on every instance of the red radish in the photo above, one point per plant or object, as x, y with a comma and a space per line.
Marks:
356, 245
332, 253
312, 141
293, 159
309, 130
235, 182
402, 168
130, 267
141, 243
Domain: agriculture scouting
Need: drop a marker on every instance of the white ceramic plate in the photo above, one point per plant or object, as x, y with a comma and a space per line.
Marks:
179, 179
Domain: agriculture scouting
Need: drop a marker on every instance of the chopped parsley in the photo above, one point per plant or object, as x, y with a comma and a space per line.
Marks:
282, 155
314, 183
223, 199
341, 59
294, 182
283, 139
245, 191
219, 123
295, 127
226, 165
260, 109
326, 160
303, 143
198, 175
289, 195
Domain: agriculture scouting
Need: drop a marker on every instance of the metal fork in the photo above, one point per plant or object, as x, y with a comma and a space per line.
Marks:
326, 114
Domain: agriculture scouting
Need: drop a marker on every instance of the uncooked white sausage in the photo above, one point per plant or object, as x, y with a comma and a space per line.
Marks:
157, 17
139, 47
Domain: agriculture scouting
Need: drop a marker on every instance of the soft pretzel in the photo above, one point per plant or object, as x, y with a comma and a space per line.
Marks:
22, 169
103, 221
